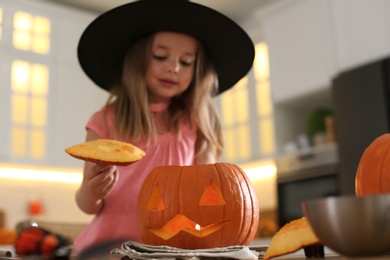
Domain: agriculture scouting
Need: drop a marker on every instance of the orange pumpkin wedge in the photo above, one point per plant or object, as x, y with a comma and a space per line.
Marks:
293, 236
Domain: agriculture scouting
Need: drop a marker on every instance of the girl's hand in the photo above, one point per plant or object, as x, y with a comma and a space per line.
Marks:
99, 180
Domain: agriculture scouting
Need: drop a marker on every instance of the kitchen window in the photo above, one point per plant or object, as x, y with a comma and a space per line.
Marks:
249, 135
264, 100
29, 83
31, 33
235, 118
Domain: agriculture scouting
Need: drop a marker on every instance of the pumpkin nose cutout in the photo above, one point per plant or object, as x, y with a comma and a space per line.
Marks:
155, 201
212, 196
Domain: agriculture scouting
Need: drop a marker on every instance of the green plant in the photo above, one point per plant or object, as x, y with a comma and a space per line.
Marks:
316, 120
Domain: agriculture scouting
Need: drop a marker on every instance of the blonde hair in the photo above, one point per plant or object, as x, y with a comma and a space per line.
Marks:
130, 99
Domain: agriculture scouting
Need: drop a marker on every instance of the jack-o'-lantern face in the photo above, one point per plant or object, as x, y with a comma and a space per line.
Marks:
197, 207
211, 196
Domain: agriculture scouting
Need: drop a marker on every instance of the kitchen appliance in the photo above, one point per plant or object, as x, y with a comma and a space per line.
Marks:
307, 158
309, 174
361, 106
361, 98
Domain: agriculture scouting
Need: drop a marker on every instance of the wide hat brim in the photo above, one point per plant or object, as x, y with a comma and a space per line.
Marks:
104, 43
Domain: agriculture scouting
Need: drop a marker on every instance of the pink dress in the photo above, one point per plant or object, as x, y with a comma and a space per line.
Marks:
118, 217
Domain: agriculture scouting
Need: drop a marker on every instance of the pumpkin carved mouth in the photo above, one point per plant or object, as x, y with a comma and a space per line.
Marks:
181, 223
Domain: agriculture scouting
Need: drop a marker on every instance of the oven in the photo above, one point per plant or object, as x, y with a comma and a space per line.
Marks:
303, 177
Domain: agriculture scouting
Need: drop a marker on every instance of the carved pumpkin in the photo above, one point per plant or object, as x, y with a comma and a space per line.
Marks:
200, 206
373, 172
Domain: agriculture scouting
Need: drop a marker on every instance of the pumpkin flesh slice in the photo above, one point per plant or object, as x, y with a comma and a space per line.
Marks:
106, 151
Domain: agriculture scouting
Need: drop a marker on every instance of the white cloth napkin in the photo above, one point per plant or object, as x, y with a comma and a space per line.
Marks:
137, 251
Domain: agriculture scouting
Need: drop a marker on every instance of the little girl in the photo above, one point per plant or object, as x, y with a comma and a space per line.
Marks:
162, 61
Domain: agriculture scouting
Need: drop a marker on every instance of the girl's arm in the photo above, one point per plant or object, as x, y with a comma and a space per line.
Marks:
206, 157
98, 181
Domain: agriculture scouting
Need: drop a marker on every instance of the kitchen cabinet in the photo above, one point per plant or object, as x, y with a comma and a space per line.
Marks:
71, 97
310, 41
298, 34
362, 31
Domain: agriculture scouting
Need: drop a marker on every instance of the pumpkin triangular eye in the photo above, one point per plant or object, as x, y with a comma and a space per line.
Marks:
155, 201
212, 196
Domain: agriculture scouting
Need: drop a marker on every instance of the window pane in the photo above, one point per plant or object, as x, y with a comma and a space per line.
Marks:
20, 77
38, 144
267, 138
261, 64
40, 79
227, 109
41, 44
42, 25
22, 21
229, 145
240, 101
19, 109
31, 33
243, 135
38, 111
22, 40
264, 100
242, 105
18, 142
22, 31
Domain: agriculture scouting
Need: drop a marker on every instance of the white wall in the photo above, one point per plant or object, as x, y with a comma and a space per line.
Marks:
58, 200
59, 204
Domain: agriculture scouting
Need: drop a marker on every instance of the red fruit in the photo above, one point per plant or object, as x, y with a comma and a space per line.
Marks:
28, 241
49, 244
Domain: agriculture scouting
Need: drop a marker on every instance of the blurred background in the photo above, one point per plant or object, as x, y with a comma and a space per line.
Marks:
297, 123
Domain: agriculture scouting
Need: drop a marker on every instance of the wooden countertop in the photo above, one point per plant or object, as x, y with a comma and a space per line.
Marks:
299, 255
328, 257
329, 254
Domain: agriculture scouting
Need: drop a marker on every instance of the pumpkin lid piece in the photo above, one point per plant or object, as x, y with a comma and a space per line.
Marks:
106, 151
